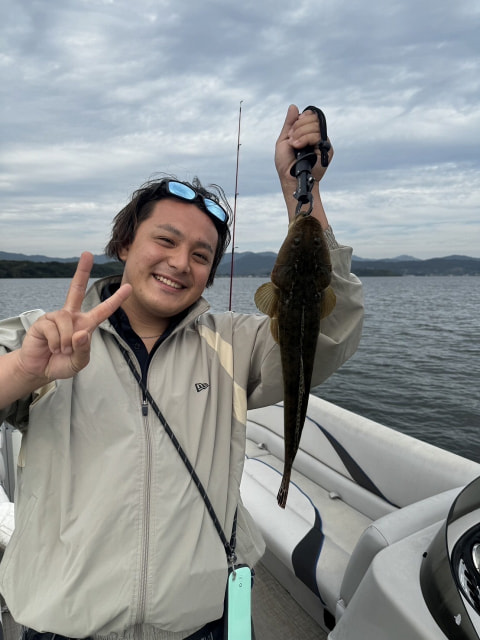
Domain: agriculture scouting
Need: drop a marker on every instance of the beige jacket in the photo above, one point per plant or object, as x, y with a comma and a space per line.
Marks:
110, 532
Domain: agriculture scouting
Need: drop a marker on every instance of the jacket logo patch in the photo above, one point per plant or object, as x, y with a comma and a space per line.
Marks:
201, 386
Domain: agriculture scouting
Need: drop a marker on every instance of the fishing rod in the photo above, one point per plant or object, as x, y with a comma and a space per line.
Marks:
235, 207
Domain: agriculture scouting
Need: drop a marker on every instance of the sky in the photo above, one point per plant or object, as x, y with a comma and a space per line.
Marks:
98, 96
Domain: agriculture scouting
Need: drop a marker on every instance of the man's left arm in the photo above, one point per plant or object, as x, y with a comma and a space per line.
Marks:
340, 332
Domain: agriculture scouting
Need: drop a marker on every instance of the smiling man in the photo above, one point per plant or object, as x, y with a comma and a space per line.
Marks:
170, 258
132, 401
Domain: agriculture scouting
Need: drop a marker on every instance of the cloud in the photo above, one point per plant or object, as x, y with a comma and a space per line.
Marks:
102, 94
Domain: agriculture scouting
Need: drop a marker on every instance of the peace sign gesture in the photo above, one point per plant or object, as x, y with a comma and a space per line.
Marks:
57, 345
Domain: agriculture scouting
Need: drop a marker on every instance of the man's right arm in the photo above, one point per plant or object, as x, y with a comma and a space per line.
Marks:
14, 382
57, 345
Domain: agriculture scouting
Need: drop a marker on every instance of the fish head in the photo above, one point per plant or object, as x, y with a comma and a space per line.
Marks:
304, 254
301, 275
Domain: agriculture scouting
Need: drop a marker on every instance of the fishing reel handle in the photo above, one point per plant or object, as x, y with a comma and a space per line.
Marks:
305, 161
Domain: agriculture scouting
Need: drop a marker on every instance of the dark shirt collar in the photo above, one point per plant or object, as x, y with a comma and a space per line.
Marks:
122, 326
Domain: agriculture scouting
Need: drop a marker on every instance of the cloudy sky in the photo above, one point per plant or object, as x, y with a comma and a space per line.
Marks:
100, 95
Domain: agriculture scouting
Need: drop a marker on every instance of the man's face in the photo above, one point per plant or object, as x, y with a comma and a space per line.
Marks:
168, 263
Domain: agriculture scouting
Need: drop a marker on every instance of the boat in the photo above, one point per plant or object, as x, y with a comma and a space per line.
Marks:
367, 528
380, 537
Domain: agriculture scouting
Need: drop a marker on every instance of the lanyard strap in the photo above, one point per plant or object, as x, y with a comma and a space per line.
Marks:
229, 546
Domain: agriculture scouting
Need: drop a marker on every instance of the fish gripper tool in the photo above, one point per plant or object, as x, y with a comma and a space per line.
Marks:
304, 163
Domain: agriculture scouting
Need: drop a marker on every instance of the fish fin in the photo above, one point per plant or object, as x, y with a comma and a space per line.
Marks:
329, 300
266, 299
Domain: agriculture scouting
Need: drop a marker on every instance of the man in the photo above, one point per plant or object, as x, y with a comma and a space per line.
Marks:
112, 537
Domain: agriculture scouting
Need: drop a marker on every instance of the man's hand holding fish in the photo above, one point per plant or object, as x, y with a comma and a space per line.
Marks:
299, 130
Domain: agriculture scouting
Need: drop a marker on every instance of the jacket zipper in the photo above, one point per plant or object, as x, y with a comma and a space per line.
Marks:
144, 406
147, 485
145, 541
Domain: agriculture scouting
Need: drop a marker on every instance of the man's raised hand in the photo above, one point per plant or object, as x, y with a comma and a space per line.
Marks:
57, 345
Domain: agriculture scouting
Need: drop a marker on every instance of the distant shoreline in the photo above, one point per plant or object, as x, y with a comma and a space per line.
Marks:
245, 264
26, 269
10, 269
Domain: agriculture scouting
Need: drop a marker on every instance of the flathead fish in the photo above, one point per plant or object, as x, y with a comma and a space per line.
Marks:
297, 297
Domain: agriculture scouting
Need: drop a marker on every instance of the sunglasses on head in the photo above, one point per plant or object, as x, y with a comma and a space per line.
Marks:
185, 192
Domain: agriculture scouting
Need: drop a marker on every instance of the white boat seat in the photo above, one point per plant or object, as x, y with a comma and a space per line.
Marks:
354, 481
386, 531
7, 519
313, 536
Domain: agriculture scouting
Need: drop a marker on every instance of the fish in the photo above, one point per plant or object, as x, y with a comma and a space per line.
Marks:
296, 299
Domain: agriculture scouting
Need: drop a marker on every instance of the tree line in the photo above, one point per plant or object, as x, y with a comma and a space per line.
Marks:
27, 269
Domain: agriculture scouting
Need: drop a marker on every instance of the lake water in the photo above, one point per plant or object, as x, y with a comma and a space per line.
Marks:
418, 365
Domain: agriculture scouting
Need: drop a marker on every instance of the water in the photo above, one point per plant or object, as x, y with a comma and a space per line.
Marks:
418, 365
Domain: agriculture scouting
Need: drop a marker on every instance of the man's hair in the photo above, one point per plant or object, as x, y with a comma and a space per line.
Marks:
142, 203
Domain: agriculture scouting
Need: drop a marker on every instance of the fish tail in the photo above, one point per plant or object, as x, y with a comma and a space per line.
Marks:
283, 491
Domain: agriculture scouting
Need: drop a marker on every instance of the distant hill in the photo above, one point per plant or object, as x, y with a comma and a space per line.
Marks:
5, 255
248, 264
447, 266
402, 258
261, 264
15, 265
27, 269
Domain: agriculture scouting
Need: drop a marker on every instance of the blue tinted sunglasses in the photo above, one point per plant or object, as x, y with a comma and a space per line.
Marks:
183, 191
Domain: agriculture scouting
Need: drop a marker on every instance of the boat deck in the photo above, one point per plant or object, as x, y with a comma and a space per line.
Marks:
276, 615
